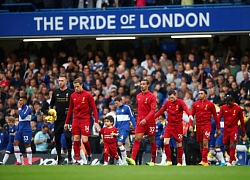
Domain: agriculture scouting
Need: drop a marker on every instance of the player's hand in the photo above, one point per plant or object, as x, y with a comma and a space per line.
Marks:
66, 126
96, 126
243, 135
218, 132
191, 117
143, 122
191, 129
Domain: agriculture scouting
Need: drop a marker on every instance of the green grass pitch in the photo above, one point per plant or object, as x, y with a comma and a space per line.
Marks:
36, 172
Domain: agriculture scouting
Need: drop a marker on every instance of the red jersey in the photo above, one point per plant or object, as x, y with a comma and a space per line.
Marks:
107, 138
231, 116
203, 111
146, 105
79, 106
174, 111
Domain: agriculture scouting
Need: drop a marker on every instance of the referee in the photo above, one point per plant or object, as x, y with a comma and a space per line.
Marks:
60, 101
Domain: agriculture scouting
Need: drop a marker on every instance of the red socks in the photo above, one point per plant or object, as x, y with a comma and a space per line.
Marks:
77, 150
135, 149
153, 151
168, 152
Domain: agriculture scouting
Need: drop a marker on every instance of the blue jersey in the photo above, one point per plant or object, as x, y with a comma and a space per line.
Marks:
11, 133
24, 118
159, 129
3, 140
123, 117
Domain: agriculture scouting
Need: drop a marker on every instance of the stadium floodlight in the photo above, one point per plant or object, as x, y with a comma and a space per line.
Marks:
192, 36
42, 39
115, 38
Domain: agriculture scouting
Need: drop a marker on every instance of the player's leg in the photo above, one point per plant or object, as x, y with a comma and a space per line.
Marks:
167, 149
58, 130
106, 153
17, 151
233, 140
219, 153
76, 131
151, 137
178, 137
68, 138
121, 141
113, 153
27, 142
85, 129
206, 136
8, 151
139, 132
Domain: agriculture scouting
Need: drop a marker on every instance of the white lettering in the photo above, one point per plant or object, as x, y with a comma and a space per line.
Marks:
124, 19
84, 20
204, 19
38, 23
73, 21
188, 21
182, 20
58, 23
47, 162
100, 25
48, 23
142, 25
131, 18
92, 22
158, 21
167, 20
111, 22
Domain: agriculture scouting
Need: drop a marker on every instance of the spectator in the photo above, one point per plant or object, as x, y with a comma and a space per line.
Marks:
42, 140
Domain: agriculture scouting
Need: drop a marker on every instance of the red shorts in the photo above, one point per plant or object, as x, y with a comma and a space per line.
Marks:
148, 129
230, 134
176, 132
203, 132
80, 127
110, 149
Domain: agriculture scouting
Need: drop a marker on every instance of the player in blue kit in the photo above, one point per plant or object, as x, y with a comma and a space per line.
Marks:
12, 128
24, 131
123, 117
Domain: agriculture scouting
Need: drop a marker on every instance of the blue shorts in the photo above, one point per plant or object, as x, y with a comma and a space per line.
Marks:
212, 141
123, 136
63, 142
219, 140
159, 142
23, 136
10, 147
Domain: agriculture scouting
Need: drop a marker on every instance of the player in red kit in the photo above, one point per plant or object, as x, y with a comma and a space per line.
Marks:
203, 110
232, 114
174, 108
146, 105
110, 134
79, 106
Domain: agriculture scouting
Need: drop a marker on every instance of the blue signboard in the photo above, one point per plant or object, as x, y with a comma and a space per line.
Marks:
137, 21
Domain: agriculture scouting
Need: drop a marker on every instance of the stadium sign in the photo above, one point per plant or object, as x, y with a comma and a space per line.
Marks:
122, 21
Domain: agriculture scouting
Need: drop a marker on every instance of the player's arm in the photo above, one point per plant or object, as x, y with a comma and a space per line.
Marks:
132, 119
217, 120
185, 108
69, 114
93, 106
160, 112
25, 112
53, 101
192, 113
152, 108
242, 122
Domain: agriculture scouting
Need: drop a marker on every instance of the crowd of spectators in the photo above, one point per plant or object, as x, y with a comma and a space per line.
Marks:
31, 71
47, 4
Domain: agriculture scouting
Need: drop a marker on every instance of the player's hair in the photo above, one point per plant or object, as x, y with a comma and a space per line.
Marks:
204, 90
144, 79
23, 97
77, 80
118, 98
172, 92
110, 118
11, 119
229, 99
63, 76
